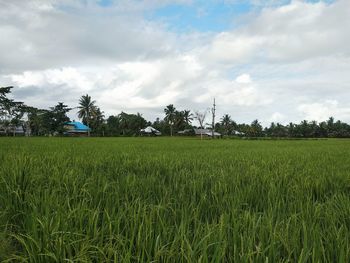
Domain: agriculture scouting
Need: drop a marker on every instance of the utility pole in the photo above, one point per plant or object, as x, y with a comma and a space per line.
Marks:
213, 119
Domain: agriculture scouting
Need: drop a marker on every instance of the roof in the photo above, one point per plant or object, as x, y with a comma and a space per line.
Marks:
215, 133
185, 131
17, 130
150, 129
207, 132
201, 131
78, 126
238, 133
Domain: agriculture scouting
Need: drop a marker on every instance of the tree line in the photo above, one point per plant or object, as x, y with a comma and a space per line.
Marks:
45, 122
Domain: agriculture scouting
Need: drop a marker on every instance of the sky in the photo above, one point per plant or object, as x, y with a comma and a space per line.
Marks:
272, 60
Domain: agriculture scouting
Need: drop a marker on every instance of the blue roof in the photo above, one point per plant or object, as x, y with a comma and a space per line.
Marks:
78, 125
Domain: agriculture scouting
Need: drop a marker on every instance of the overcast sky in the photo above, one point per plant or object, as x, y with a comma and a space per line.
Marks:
274, 60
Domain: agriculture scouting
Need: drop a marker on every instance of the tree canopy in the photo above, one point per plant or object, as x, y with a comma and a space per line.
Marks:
35, 121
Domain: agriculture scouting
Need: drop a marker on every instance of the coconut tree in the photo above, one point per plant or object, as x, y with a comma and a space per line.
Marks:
226, 122
188, 116
170, 116
97, 121
256, 129
87, 109
179, 120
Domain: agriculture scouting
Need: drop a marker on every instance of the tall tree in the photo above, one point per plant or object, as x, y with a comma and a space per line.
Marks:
12, 113
188, 117
35, 121
276, 130
97, 122
227, 124
179, 120
256, 129
10, 110
16, 113
59, 117
200, 116
4, 101
131, 124
87, 109
330, 127
113, 128
170, 116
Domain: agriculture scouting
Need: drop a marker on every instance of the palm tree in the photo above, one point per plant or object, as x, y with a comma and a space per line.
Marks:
330, 126
87, 109
188, 116
226, 122
123, 121
179, 120
170, 116
255, 129
97, 121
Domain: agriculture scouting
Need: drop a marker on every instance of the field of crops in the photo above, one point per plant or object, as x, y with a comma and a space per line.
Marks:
174, 200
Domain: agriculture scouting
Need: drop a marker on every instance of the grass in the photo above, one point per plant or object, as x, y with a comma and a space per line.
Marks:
174, 200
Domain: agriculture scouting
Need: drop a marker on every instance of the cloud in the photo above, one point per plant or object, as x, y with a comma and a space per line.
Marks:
239, 92
321, 111
50, 36
244, 79
69, 76
286, 60
277, 117
129, 85
288, 33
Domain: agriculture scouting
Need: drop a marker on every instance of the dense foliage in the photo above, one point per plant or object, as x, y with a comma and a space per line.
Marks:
51, 121
174, 200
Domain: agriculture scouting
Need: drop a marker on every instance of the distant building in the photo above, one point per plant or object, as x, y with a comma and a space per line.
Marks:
76, 128
186, 132
150, 131
19, 130
12, 130
2, 130
206, 132
238, 133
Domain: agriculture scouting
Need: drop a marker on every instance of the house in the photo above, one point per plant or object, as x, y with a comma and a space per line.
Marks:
238, 133
206, 132
186, 132
19, 130
12, 131
75, 128
3, 130
150, 131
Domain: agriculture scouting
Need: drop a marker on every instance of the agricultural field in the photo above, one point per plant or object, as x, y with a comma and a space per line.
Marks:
174, 200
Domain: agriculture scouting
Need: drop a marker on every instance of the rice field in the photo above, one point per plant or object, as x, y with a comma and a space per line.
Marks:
174, 200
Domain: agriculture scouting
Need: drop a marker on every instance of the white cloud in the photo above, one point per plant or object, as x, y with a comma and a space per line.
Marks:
288, 61
229, 48
321, 111
69, 77
244, 79
40, 38
292, 32
277, 117
240, 92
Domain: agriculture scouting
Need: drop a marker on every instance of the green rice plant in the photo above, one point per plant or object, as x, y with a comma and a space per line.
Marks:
174, 200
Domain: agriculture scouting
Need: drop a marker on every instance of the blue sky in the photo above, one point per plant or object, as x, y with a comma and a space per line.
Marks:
210, 15
205, 15
201, 16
